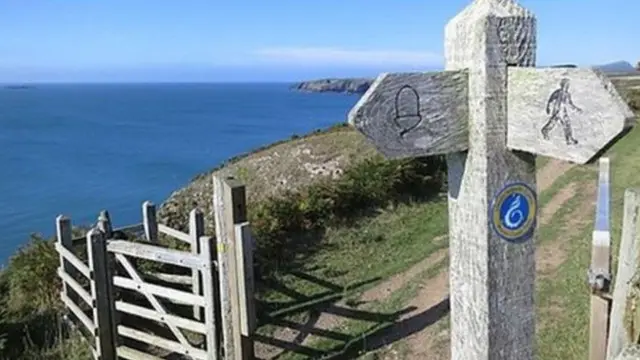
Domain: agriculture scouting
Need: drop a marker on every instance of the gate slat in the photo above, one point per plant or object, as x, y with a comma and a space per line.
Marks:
68, 280
162, 342
84, 319
178, 321
77, 263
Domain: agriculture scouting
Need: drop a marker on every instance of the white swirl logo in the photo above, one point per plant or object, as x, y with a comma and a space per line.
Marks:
514, 217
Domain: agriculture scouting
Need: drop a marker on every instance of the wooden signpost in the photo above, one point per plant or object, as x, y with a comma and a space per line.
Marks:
491, 111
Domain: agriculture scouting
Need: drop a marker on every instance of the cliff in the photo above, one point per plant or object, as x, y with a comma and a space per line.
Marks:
360, 85
349, 86
288, 165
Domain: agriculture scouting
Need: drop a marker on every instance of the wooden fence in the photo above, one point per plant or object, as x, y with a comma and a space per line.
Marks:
611, 337
206, 311
600, 270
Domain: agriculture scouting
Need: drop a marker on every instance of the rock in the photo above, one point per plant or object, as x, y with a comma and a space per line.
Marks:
349, 86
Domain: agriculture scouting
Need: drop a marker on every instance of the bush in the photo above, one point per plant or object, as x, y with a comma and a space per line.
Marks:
633, 97
32, 282
285, 223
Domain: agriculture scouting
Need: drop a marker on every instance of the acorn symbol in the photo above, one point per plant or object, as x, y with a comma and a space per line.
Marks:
407, 110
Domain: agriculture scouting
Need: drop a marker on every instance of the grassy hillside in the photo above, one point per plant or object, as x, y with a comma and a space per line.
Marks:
355, 248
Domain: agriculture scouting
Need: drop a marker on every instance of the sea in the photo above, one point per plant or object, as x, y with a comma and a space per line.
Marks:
77, 149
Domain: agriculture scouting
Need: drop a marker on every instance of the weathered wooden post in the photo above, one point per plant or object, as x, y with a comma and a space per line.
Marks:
490, 112
627, 266
196, 231
599, 274
229, 209
149, 221
102, 295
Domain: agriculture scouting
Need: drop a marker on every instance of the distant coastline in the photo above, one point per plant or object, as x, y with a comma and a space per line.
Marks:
360, 85
346, 86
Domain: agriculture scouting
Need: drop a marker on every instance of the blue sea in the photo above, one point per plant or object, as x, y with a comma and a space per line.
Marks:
78, 149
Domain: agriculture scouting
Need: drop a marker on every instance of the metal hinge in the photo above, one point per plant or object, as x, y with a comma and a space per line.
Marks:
599, 281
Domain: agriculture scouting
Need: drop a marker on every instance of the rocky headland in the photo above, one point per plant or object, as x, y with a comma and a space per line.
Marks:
347, 86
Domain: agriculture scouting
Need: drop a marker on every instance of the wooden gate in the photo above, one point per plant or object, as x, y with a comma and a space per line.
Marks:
200, 306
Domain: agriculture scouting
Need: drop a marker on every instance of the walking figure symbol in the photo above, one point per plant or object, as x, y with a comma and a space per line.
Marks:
557, 105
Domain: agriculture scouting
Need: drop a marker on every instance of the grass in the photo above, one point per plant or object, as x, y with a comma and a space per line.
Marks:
411, 252
562, 297
357, 252
396, 238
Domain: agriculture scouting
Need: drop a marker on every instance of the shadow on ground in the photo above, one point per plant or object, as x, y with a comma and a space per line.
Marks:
386, 328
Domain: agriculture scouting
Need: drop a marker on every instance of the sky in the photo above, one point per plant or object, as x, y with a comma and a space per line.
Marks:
276, 40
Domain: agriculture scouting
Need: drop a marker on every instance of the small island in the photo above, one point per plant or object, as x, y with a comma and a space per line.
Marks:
19, 87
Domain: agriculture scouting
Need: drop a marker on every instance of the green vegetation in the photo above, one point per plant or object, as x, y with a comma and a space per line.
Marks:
290, 229
336, 239
633, 98
31, 325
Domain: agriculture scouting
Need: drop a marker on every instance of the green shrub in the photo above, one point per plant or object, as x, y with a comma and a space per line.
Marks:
32, 282
287, 223
633, 97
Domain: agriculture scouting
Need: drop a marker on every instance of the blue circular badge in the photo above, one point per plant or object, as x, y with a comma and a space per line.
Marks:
513, 212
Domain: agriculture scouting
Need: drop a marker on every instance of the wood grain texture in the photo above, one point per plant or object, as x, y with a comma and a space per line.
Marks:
631, 352
229, 206
149, 221
174, 320
176, 296
73, 260
627, 265
156, 253
102, 295
64, 239
196, 230
598, 117
128, 353
154, 340
491, 280
68, 281
415, 114
82, 317
246, 286
600, 264
176, 234
104, 224
151, 298
211, 307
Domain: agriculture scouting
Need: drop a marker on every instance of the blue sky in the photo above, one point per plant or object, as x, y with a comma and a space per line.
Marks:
271, 40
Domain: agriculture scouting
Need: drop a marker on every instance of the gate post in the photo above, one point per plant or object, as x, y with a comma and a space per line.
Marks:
102, 294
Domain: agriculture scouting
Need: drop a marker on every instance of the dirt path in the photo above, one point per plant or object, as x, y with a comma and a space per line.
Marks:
551, 171
431, 303
328, 319
433, 342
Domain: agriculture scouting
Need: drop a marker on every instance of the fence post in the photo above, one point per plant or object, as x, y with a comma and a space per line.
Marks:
600, 271
104, 224
149, 221
65, 239
627, 266
196, 230
209, 285
244, 261
229, 206
102, 295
